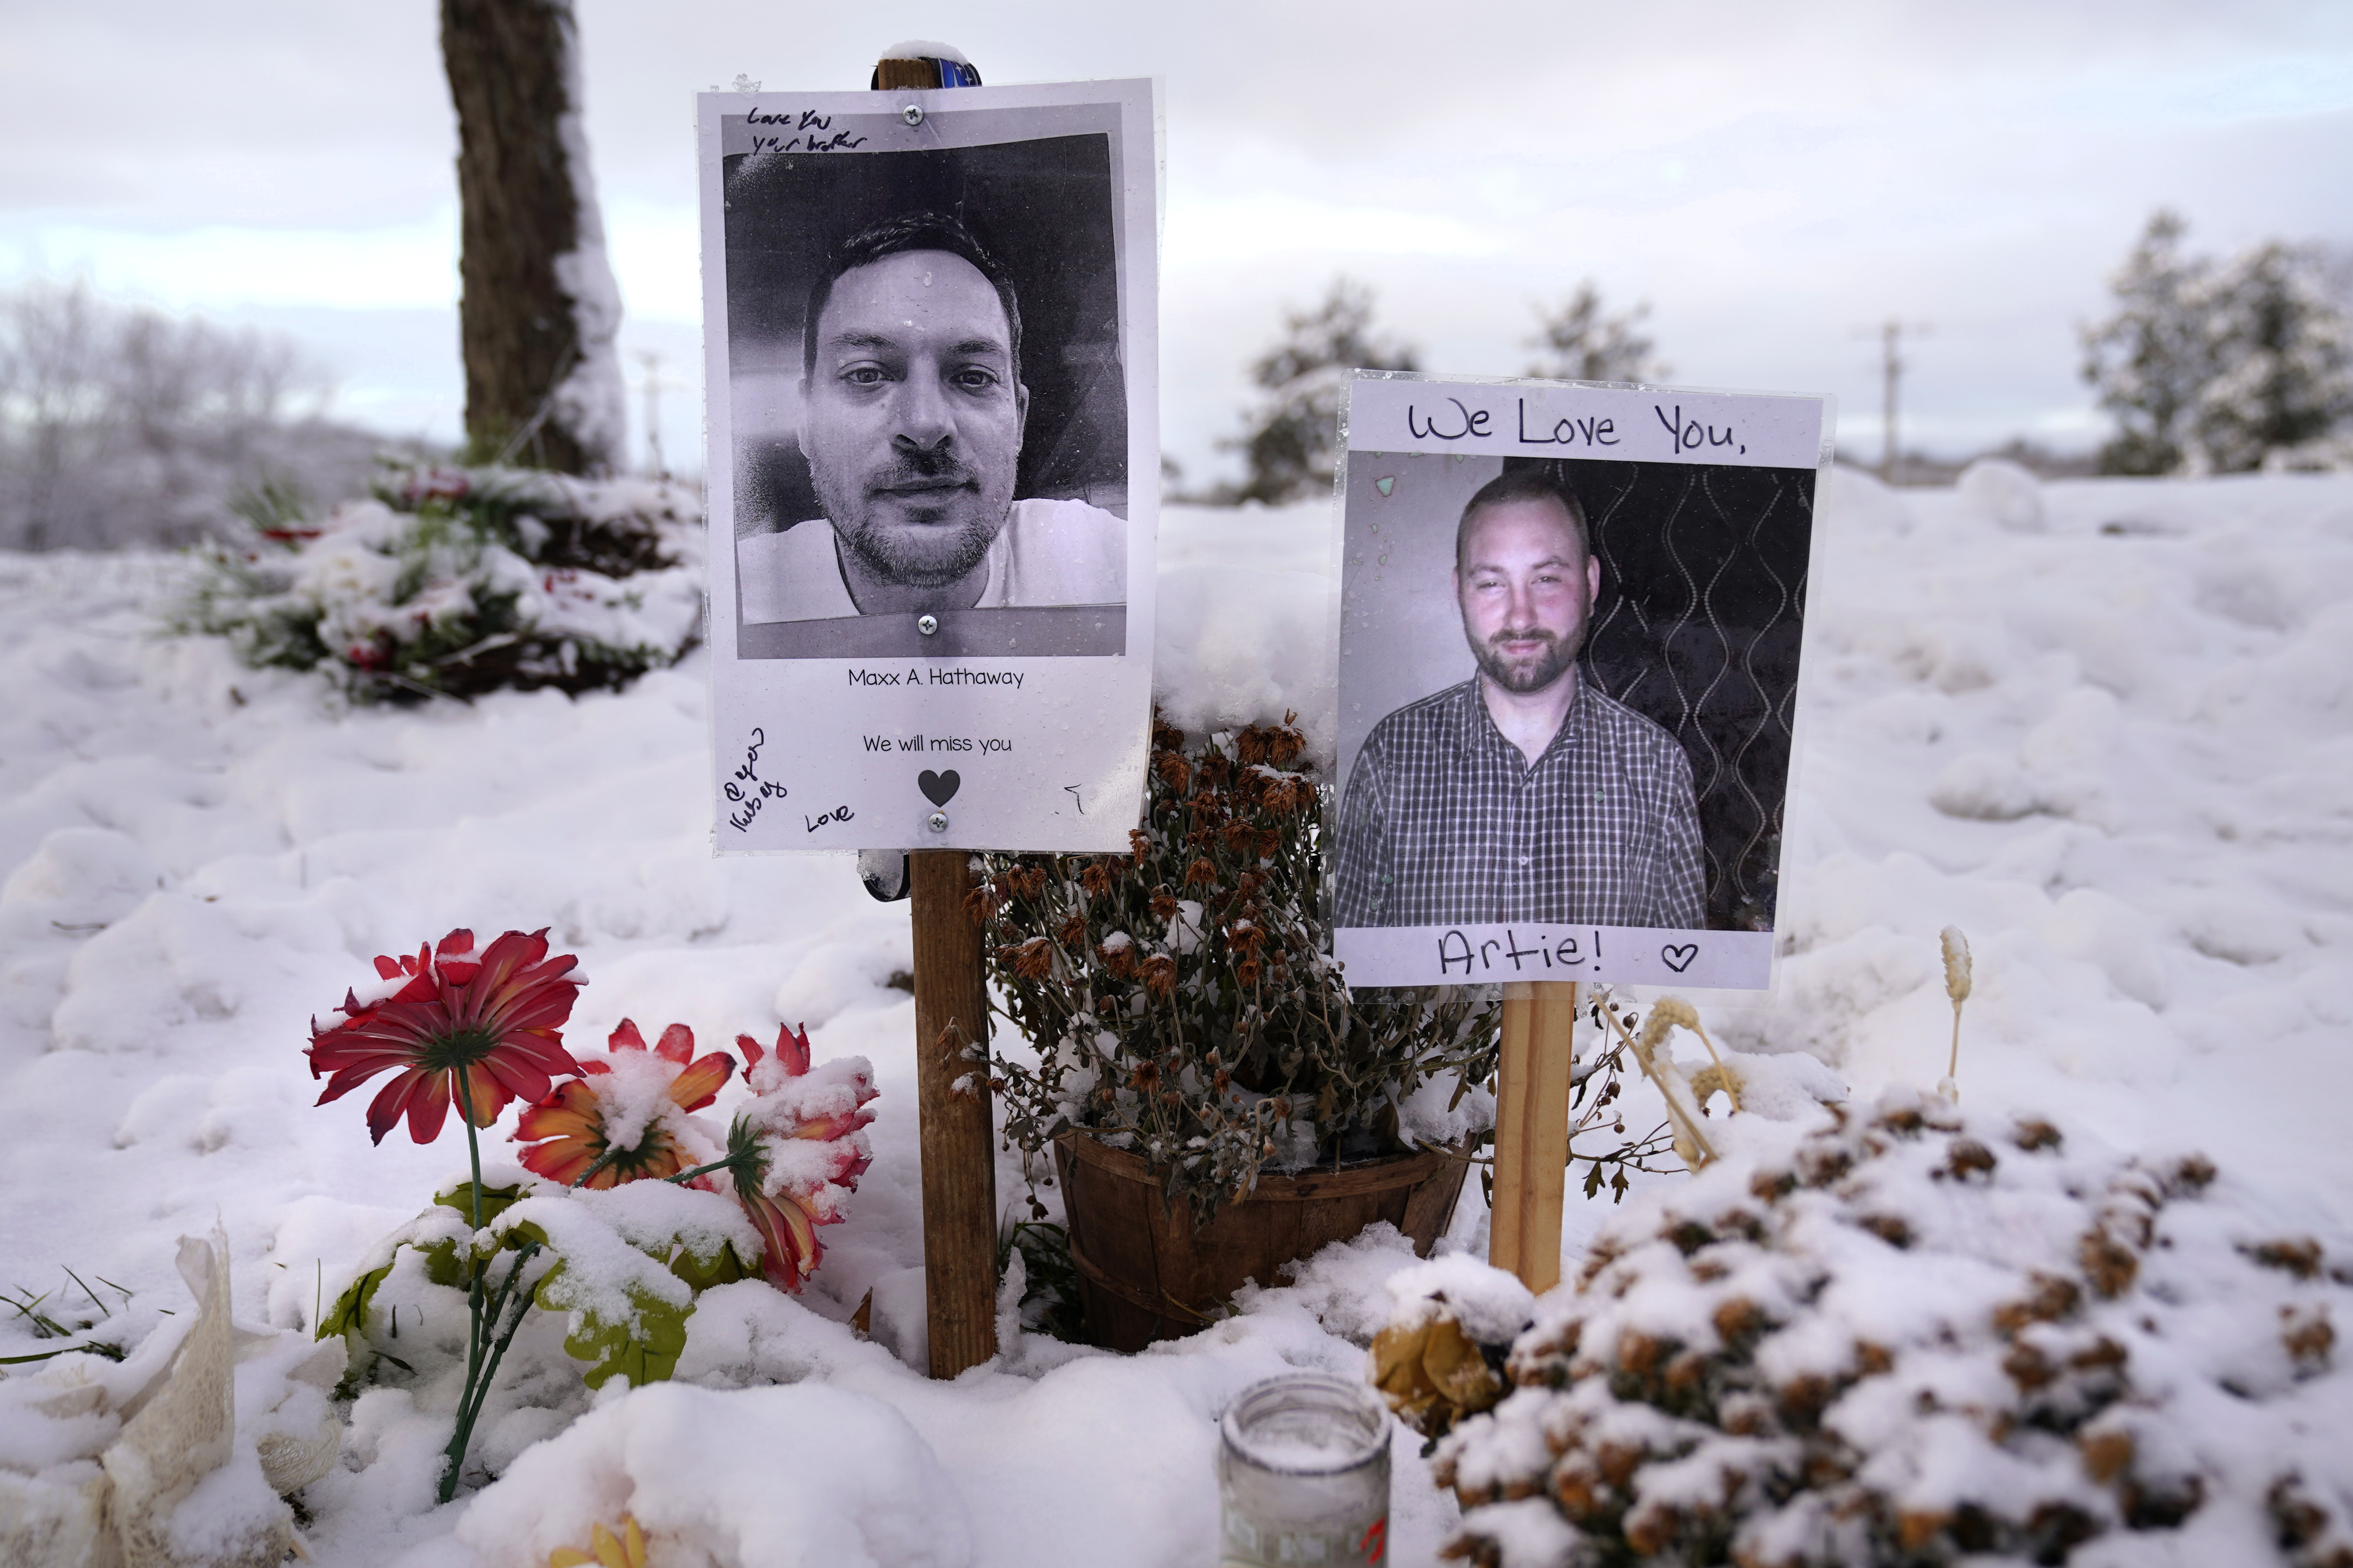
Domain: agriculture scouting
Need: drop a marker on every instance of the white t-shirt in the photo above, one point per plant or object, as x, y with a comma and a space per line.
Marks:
1048, 552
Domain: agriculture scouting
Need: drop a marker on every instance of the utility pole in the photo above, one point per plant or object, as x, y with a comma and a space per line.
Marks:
1892, 366
653, 385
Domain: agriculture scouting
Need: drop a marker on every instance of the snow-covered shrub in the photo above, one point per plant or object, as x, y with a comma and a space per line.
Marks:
1183, 999
454, 582
1915, 1337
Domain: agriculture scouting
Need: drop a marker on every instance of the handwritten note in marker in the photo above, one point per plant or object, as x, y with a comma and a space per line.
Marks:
1391, 413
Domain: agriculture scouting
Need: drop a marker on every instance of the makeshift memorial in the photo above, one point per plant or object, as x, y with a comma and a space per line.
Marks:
1200, 1062
631, 1226
1303, 1473
934, 434
454, 581
1908, 1335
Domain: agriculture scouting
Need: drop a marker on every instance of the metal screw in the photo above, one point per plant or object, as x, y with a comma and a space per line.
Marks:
939, 822
912, 114
927, 625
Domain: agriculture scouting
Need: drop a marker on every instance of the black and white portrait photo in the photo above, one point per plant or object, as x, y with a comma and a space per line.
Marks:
931, 372
931, 413
1566, 687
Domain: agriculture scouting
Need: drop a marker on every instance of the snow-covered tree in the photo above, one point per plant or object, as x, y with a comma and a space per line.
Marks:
540, 309
1580, 342
120, 425
2149, 360
1291, 440
2223, 369
2283, 352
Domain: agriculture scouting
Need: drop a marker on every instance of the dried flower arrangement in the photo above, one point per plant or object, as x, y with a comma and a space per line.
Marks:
1182, 1000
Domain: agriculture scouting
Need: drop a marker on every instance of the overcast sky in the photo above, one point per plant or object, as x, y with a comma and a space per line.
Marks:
1772, 178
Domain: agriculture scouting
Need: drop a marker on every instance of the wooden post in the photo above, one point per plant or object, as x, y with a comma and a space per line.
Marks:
1532, 1130
959, 1157
951, 1013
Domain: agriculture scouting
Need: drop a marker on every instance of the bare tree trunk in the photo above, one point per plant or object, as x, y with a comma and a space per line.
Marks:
540, 310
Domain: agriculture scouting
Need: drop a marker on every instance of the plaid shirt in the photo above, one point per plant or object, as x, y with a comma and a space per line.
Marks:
1444, 822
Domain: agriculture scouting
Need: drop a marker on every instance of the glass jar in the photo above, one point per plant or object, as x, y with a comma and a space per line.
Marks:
1303, 1473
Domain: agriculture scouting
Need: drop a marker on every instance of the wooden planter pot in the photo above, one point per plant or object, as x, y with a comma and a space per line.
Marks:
1147, 1274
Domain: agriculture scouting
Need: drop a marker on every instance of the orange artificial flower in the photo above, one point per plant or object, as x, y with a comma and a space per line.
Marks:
639, 1094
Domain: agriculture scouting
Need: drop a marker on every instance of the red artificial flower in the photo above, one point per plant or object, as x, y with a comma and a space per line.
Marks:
789, 1249
572, 1129
483, 1028
792, 1108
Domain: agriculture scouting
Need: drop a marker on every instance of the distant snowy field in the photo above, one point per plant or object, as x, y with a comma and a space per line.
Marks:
2104, 727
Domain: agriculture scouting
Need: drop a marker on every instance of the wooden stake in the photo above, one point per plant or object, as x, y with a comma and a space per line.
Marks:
959, 1156
951, 1014
1532, 1130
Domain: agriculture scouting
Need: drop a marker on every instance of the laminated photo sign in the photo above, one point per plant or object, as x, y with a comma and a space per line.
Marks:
1571, 620
934, 464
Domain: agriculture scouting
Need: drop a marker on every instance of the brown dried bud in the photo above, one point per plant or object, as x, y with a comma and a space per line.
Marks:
1201, 873
1073, 934
1159, 973
980, 904
1141, 843
1096, 877
1175, 770
1032, 960
1246, 973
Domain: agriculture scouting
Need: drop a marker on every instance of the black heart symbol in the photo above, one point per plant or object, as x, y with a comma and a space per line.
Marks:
938, 788
1680, 958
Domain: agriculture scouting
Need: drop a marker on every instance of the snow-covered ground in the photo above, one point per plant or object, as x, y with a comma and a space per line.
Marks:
2105, 728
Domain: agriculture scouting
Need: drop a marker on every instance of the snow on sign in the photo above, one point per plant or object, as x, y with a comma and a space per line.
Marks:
1569, 628
934, 463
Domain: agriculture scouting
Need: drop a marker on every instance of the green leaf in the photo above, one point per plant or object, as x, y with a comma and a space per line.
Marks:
724, 1268
642, 1347
496, 1201
348, 1316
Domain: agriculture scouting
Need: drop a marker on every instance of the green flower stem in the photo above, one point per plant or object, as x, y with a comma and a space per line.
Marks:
478, 1395
608, 1157
477, 1335
734, 1161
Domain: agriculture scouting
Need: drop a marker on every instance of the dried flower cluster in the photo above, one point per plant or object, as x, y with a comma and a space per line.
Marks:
1182, 999
1908, 1338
